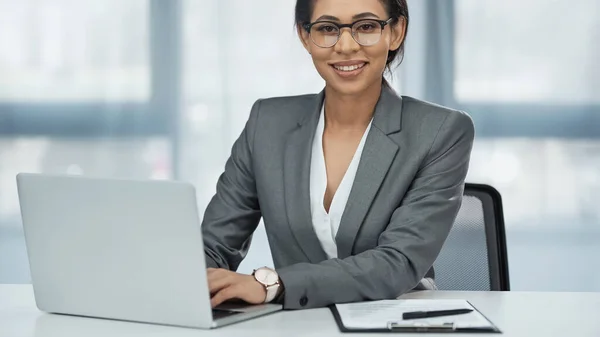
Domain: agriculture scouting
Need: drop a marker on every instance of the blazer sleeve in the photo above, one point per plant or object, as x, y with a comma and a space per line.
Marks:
233, 213
412, 240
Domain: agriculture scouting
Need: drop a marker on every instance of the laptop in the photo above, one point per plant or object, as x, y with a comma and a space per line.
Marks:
120, 249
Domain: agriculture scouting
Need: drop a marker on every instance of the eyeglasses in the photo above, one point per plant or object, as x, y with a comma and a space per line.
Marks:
366, 32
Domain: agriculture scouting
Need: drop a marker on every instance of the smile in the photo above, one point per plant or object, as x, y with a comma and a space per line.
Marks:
349, 68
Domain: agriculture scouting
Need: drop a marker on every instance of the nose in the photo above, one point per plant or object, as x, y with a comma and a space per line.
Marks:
346, 42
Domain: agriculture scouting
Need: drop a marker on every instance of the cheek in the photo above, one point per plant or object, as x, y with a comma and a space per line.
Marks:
320, 54
378, 55
320, 58
380, 51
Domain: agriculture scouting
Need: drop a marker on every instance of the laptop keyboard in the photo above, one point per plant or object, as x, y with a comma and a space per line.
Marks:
221, 313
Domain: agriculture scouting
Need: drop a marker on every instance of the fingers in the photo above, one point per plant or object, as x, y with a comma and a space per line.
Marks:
225, 285
223, 295
219, 283
218, 279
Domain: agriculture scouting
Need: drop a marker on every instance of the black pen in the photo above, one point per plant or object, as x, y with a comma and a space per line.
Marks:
437, 313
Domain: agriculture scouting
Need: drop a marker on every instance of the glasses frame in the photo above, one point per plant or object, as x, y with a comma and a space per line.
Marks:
308, 27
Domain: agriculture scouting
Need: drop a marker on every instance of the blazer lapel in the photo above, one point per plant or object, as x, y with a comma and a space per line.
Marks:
377, 157
296, 172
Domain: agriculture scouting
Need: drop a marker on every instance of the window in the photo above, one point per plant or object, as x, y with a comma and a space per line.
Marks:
61, 51
83, 89
528, 52
527, 74
86, 68
528, 68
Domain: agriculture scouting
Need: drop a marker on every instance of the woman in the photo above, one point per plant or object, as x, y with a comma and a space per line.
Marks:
358, 187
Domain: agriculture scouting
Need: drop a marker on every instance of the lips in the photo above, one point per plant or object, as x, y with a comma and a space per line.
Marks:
349, 68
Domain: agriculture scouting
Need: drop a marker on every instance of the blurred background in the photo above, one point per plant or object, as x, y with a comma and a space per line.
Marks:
160, 89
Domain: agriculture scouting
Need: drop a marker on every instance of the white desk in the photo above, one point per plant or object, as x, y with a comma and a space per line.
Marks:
515, 313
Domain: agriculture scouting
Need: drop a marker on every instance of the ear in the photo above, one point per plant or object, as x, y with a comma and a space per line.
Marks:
398, 34
304, 37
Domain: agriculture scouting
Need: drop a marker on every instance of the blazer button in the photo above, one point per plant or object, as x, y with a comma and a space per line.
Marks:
303, 301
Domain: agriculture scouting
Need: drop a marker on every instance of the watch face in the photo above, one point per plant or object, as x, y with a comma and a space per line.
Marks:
266, 276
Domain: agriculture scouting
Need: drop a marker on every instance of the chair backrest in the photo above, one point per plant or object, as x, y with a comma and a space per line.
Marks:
474, 255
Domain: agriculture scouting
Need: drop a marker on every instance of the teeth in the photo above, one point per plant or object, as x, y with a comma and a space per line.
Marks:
349, 68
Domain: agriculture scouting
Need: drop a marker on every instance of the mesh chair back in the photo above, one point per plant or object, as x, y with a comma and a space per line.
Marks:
474, 255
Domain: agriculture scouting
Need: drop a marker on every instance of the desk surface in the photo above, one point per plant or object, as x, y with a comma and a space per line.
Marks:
515, 313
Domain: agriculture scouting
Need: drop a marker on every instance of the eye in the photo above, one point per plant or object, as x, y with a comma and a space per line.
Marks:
326, 28
367, 27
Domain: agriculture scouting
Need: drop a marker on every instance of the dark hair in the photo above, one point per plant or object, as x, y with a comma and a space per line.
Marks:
395, 8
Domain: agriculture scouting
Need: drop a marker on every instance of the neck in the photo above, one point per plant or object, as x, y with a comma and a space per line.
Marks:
350, 111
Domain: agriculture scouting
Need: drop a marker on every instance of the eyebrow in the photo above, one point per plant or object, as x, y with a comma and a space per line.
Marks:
355, 17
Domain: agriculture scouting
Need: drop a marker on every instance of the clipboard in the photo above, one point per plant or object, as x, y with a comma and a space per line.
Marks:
416, 326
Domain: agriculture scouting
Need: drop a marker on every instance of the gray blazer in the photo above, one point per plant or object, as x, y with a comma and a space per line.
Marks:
405, 197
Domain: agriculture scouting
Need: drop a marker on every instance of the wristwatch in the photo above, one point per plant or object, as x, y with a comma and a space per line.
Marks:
269, 279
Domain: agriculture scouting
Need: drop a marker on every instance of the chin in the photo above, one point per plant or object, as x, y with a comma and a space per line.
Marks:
350, 87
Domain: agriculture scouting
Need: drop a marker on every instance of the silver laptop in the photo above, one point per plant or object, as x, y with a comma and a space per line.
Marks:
120, 249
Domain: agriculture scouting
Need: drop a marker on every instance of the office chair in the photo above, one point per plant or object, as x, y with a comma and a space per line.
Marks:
474, 255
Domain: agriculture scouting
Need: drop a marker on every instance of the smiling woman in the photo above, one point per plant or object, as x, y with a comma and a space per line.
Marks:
358, 186
323, 36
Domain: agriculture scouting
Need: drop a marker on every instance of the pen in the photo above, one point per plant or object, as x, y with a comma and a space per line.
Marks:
437, 313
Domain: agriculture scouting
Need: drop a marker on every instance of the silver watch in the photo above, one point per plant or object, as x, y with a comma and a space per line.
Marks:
269, 279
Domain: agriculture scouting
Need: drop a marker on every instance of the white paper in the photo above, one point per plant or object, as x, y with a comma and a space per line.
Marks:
378, 314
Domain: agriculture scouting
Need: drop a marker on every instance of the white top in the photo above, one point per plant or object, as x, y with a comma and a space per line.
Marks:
326, 224
517, 314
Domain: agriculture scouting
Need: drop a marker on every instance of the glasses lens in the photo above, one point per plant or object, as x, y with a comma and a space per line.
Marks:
367, 32
324, 34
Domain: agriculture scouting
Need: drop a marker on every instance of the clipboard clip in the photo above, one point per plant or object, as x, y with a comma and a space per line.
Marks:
419, 327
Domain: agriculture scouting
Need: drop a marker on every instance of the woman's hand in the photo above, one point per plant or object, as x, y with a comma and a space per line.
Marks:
225, 285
